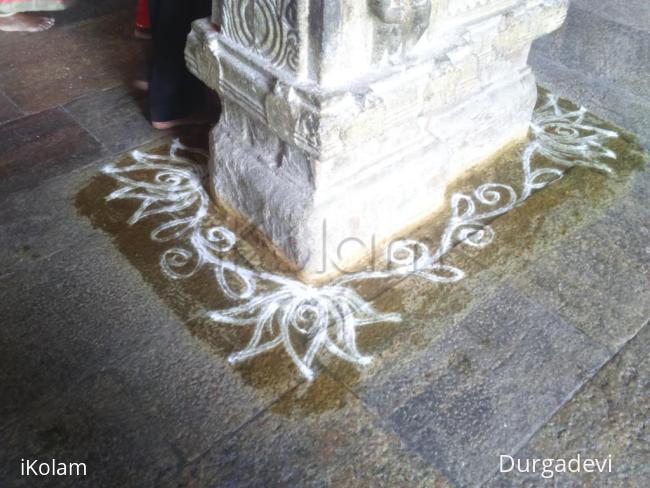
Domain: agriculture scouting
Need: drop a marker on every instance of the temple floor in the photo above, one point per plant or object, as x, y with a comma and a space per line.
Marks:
529, 337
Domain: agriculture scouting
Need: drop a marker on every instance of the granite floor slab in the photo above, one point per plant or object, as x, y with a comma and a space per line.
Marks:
607, 417
116, 117
601, 47
79, 59
506, 369
294, 443
588, 282
8, 110
41, 146
600, 59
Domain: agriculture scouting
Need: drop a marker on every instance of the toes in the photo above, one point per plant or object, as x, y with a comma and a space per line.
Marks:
141, 85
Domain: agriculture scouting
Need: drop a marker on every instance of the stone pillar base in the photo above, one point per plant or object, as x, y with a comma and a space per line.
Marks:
331, 167
325, 230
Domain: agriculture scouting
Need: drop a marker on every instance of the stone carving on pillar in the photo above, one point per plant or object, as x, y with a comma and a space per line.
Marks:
268, 27
460, 6
401, 23
344, 121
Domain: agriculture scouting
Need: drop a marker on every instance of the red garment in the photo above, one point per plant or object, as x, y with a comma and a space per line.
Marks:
142, 21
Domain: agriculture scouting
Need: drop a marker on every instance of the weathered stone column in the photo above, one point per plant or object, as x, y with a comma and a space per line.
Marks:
345, 120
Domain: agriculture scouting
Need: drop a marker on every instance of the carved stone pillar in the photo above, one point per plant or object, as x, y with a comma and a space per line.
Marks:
345, 120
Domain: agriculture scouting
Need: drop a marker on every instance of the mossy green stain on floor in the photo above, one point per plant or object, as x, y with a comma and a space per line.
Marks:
558, 209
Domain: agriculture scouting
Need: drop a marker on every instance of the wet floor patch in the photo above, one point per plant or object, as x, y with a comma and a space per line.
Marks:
233, 292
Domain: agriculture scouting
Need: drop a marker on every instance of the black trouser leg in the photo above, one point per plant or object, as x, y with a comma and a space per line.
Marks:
173, 91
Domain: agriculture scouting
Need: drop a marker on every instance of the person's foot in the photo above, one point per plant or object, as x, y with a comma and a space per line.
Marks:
25, 23
141, 85
170, 124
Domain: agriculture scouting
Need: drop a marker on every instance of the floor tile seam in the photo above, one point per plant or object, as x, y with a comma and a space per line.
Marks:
195, 459
539, 257
85, 376
83, 128
587, 80
102, 159
573, 394
14, 105
559, 311
380, 424
600, 11
60, 106
65, 108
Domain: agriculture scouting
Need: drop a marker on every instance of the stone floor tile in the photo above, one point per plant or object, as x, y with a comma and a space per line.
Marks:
560, 210
593, 285
641, 184
295, 443
196, 392
41, 146
120, 437
402, 351
602, 48
79, 60
627, 225
41, 222
608, 416
115, 117
633, 13
610, 101
84, 10
95, 314
491, 383
8, 110
69, 314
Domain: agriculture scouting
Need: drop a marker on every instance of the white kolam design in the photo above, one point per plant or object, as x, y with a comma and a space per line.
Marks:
308, 320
